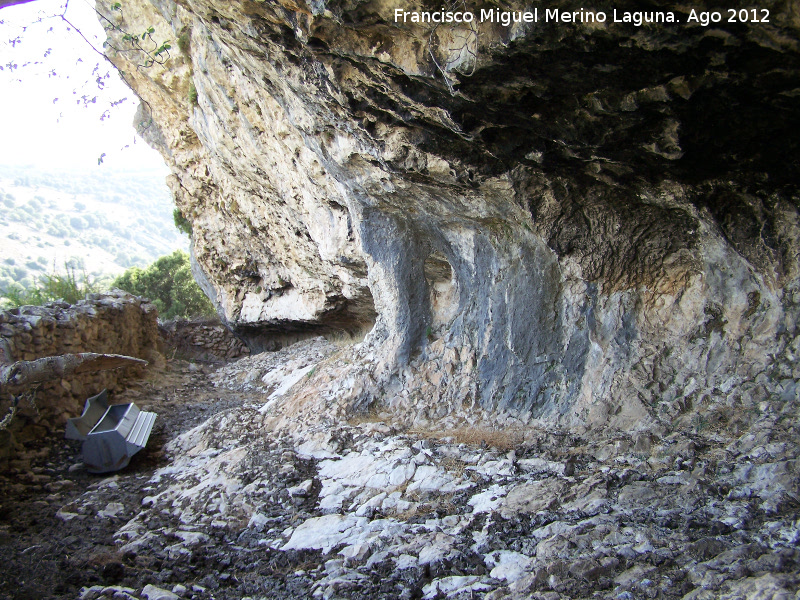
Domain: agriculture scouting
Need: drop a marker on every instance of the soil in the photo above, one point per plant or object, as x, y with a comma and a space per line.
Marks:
46, 555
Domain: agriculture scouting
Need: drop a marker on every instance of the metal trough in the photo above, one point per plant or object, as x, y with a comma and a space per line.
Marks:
110, 434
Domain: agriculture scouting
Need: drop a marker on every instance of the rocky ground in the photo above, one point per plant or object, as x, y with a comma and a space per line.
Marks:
222, 504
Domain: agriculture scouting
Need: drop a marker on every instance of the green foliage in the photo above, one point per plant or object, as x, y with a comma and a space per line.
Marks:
162, 48
192, 94
151, 52
169, 284
182, 223
185, 41
49, 288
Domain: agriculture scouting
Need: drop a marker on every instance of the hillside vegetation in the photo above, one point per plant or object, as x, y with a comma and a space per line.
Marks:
96, 221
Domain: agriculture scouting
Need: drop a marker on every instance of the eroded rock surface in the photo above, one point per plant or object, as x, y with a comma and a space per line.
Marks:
596, 219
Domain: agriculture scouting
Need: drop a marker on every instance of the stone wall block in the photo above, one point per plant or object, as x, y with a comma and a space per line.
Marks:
111, 323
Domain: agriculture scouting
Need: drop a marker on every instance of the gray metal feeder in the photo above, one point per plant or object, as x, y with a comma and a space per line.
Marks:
110, 434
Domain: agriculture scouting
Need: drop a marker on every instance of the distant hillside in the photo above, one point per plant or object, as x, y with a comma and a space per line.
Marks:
98, 220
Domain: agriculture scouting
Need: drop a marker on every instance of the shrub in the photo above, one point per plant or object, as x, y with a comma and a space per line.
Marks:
185, 41
77, 223
49, 288
181, 222
192, 94
169, 284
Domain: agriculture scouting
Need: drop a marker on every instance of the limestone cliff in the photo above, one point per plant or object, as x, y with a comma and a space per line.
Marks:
581, 222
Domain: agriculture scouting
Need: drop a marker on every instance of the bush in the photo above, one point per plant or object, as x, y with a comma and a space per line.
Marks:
192, 94
169, 284
77, 223
181, 222
47, 289
185, 41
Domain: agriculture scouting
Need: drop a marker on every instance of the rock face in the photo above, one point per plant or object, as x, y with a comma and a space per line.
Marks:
580, 222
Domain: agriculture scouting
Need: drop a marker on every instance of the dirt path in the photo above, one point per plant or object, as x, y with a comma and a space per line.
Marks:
57, 521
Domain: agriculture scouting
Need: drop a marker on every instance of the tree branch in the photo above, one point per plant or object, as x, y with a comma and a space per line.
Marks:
4, 3
24, 374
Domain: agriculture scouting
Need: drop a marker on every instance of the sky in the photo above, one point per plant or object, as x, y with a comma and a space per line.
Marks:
43, 123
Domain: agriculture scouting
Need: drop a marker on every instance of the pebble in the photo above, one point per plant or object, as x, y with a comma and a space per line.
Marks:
151, 592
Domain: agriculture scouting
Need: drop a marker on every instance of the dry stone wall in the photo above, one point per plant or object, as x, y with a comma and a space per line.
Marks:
111, 323
205, 340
